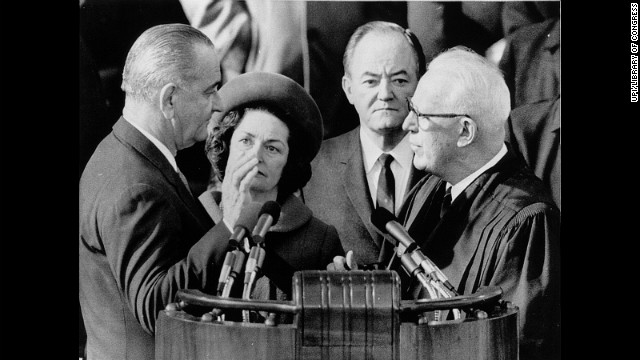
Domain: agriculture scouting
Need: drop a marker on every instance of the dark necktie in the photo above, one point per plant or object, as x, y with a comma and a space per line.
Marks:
446, 202
386, 185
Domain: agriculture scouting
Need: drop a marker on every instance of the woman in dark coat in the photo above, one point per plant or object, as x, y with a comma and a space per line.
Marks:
260, 149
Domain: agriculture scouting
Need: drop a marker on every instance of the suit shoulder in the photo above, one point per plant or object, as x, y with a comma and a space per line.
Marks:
335, 146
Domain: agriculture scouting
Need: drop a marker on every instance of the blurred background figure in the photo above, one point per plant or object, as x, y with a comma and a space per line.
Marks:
531, 59
531, 65
443, 24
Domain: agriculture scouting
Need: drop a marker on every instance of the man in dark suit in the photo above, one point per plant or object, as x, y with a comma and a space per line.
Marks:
534, 131
482, 217
383, 63
143, 236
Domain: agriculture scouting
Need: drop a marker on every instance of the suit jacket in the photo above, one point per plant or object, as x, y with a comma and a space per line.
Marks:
534, 131
338, 194
142, 238
502, 230
531, 62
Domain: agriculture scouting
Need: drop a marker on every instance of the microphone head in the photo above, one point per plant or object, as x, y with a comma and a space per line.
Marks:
380, 217
249, 216
273, 209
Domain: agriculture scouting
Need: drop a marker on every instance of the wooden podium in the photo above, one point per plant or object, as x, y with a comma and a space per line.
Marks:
341, 315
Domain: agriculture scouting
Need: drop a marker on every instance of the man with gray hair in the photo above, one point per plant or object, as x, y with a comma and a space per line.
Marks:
484, 218
143, 235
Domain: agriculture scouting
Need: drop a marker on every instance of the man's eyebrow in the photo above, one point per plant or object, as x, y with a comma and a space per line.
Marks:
369, 73
400, 72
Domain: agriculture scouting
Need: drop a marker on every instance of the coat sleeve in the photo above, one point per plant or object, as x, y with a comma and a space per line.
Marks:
145, 246
528, 271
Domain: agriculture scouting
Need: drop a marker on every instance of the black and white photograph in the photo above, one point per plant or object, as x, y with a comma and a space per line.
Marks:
292, 179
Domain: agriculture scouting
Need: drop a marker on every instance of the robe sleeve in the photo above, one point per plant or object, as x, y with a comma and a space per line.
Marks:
528, 271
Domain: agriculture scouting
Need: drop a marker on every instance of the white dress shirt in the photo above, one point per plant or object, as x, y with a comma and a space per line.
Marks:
400, 167
458, 188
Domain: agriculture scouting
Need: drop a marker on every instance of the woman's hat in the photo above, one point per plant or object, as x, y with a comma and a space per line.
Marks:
283, 93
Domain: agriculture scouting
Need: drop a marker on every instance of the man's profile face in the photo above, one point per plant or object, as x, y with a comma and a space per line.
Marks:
433, 140
199, 98
382, 74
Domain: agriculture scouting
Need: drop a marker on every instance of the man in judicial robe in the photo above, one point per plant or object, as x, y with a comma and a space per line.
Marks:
500, 226
143, 236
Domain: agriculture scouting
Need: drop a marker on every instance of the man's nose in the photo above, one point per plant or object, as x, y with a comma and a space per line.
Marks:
385, 91
409, 123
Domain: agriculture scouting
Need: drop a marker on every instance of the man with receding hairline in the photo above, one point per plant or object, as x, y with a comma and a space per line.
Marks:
382, 64
143, 235
484, 218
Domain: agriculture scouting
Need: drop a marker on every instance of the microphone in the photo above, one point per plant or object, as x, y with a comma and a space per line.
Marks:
269, 216
247, 220
387, 223
382, 255
226, 269
254, 264
235, 270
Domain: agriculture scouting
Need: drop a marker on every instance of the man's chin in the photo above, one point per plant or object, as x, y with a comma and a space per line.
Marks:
384, 124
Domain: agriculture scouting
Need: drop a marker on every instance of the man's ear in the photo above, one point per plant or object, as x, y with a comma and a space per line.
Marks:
168, 100
346, 87
467, 132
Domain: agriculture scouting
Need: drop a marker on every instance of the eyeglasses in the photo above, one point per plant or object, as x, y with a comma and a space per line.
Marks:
420, 115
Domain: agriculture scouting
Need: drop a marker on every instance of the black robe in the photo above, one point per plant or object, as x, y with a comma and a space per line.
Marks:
502, 230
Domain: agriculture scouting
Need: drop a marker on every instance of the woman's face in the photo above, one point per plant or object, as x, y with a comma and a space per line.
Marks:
263, 136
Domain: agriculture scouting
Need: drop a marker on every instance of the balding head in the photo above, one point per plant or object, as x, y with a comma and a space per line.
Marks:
384, 27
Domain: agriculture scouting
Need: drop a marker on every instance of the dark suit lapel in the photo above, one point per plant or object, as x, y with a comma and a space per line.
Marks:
355, 183
415, 176
127, 133
424, 208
